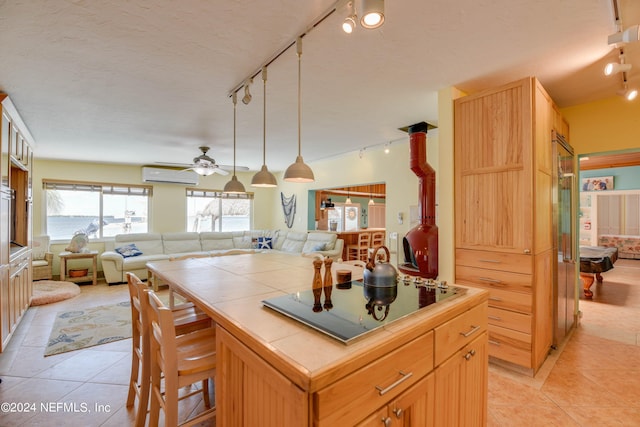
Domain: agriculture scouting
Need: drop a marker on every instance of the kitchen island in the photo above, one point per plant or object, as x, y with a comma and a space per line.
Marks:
275, 371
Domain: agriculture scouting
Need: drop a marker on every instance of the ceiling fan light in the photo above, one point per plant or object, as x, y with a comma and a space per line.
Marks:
264, 178
372, 12
299, 171
234, 186
203, 170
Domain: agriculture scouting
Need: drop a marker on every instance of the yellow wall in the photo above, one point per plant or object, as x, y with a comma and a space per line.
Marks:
604, 126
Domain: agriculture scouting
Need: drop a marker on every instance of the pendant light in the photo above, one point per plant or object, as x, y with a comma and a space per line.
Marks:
299, 171
371, 202
234, 186
348, 201
264, 178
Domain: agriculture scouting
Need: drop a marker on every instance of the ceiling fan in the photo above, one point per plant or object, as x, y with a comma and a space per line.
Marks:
205, 165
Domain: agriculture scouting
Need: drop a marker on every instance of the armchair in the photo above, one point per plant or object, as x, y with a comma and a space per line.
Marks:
42, 259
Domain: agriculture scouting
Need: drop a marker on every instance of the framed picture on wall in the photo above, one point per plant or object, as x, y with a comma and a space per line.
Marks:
600, 183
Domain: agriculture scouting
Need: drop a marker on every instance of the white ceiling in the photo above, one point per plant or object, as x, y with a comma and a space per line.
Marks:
142, 82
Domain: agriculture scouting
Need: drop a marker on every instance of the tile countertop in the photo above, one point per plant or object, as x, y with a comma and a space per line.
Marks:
231, 290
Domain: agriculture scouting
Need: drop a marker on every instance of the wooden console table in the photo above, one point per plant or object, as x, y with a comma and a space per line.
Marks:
91, 276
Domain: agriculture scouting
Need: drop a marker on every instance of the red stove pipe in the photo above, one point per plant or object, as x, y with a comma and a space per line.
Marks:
421, 242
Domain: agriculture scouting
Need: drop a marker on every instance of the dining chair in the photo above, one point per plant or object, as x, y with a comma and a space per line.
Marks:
359, 250
178, 362
187, 319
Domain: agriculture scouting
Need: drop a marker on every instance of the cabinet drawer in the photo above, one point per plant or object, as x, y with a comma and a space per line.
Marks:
372, 386
509, 345
516, 263
510, 320
494, 279
510, 300
460, 331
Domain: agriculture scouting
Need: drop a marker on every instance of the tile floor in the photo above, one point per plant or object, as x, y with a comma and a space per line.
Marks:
592, 380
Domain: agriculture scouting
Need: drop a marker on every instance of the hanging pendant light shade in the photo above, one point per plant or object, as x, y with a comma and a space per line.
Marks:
348, 201
264, 178
234, 186
299, 171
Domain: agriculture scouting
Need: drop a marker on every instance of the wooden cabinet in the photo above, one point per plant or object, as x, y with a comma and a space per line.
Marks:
16, 158
504, 214
415, 408
461, 386
400, 388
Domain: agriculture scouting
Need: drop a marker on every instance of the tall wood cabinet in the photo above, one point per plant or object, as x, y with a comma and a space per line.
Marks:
16, 158
504, 219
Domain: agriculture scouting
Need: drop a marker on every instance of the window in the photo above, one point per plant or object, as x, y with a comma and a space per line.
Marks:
99, 210
209, 210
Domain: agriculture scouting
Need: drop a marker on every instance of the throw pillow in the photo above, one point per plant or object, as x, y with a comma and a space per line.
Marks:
265, 243
129, 250
320, 247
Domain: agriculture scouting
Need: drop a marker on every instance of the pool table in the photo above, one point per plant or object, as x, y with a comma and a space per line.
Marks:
593, 261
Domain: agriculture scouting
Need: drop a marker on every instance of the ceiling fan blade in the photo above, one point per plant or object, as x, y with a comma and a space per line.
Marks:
220, 171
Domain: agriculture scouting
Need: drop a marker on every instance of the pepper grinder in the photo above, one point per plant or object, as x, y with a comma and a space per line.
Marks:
317, 285
328, 284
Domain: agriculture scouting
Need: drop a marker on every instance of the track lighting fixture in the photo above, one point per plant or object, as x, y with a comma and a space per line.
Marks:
264, 178
349, 23
234, 186
630, 94
371, 13
246, 99
299, 171
631, 34
614, 67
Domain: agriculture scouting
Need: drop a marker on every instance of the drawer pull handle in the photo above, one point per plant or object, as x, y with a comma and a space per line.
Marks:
495, 318
473, 330
383, 391
487, 279
494, 342
494, 261
495, 299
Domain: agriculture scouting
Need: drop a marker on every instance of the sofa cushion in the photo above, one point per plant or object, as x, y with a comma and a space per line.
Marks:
294, 242
147, 243
242, 240
128, 250
214, 241
140, 262
179, 243
319, 242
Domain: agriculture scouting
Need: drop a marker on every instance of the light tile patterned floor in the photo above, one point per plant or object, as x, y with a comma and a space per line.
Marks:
594, 380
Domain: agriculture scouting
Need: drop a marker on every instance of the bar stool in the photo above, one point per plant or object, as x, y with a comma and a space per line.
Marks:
377, 240
187, 319
178, 362
361, 249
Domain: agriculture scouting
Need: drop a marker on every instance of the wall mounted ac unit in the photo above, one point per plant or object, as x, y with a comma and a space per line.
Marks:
169, 176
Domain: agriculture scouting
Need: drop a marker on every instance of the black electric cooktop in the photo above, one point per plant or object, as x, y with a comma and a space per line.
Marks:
350, 310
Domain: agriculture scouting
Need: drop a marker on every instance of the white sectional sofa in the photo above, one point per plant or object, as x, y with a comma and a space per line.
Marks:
131, 252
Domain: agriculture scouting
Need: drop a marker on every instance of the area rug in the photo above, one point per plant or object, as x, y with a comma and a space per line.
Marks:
48, 291
73, 330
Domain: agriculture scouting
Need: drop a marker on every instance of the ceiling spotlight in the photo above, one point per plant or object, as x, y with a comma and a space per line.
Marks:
614, 67
631, 34
349, 23
246, 99
372, 13
631, 94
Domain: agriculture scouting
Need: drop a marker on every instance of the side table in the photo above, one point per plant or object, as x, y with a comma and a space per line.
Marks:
91, 276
